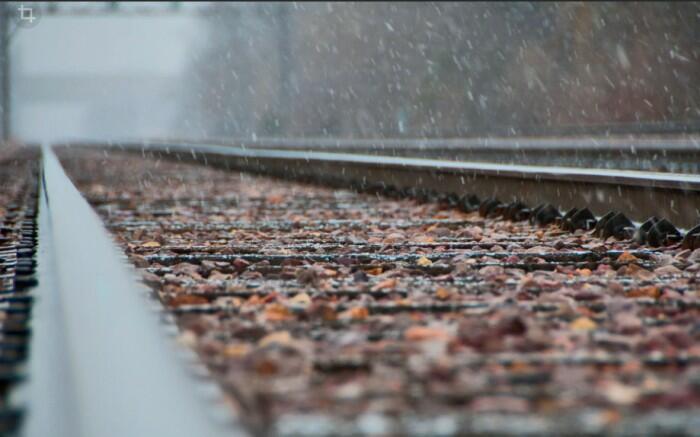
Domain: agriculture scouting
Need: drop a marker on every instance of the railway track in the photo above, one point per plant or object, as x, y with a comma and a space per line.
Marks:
101, 364
325, 311
399, 296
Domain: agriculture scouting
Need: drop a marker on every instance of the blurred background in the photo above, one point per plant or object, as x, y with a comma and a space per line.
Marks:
116, 70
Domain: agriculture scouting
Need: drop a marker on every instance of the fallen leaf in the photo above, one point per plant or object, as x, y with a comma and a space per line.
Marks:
151, 244
274, 199
422, 333
276, 312
323, 311
301, 299
357, 313
278, 337
627, 257
383, 285
424, 239
253, 300
187, 299
236, 350
240, 264
650, 291
375, 271
218, 276
266, 367
393, 238
424, 262
583, 324
443, 294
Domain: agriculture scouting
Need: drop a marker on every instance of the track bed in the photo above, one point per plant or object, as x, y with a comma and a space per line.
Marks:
329, 311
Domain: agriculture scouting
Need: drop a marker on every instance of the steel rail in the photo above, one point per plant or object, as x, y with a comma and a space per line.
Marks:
102, 364
638, 194
677, 153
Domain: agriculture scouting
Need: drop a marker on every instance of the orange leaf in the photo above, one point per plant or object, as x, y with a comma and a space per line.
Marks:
650, 291
387, 283
422, 333
357, 313
276, 312
627, 257
274, 199
187, 299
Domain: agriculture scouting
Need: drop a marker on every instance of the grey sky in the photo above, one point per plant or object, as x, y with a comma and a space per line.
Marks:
101, 76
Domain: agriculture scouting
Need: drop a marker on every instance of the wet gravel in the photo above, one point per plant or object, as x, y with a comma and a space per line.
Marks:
325, 311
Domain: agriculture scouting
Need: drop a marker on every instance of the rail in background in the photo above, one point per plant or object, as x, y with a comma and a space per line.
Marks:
101, 364
664, 153
637, 194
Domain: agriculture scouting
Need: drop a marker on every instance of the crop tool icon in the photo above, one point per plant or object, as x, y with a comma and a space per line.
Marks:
26, 14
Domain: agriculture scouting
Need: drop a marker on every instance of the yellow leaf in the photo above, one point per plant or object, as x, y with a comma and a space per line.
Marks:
583, 324
301, 299
151, 244
424, 262
584, 272
236, 350
279, 337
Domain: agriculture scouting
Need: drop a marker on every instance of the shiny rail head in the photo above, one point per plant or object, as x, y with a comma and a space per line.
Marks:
120, 373
637, 194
